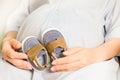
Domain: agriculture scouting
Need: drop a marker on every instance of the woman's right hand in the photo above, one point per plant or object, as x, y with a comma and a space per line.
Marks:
9, 53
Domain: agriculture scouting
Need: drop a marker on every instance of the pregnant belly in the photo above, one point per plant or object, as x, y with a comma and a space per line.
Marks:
78, 28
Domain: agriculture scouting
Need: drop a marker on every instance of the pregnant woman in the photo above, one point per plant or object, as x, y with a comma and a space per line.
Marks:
91, 29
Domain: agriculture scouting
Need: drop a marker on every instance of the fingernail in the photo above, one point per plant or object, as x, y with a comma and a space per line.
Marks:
25, 56
52, 69
53, 63
64, 53
29, 66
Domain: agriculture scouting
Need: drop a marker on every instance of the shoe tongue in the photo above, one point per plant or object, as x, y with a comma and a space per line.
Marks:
58, 52
41, 53
42, 57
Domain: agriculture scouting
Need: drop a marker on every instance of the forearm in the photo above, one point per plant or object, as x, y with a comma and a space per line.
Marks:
109, 49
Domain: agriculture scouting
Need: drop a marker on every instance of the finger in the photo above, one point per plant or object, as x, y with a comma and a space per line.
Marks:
4, 57
67, 67
15, 44
10, 52
71, 51
15, 55
20, 63
66, 60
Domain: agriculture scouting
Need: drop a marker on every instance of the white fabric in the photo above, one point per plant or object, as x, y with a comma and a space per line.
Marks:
82, 24
6, 8
17, 18
9, 72
99, 71
118, 74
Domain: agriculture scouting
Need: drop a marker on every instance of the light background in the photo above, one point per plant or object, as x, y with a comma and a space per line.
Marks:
6, 8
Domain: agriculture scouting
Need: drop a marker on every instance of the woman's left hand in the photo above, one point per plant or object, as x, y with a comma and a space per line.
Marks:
76, 58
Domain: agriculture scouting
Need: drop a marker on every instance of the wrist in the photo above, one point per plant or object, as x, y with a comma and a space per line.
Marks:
9, 36
101, 53
104, 52
97, 54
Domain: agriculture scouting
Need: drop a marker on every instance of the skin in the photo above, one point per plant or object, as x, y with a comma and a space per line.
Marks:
75, 58
9, 53
79, 57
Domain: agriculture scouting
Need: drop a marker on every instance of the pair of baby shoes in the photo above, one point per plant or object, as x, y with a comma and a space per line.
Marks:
41, 52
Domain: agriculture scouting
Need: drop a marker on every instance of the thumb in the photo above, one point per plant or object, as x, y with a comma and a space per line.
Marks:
15, 44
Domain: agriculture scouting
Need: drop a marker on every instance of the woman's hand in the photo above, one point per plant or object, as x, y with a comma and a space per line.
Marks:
79, 57
9, 53
75, 58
